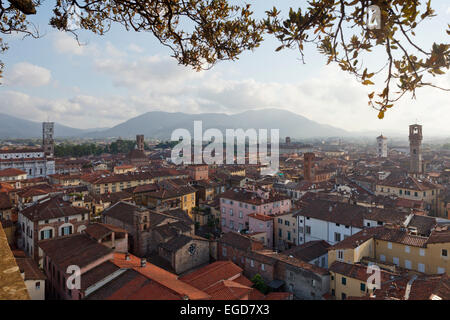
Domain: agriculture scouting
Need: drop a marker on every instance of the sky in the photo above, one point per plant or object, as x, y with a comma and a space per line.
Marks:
120, 75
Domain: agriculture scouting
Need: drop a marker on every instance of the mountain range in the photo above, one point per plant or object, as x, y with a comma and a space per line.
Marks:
160, 125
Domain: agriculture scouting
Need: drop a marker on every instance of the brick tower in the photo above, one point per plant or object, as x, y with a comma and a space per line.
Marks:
308, 166
415, 149
140, 142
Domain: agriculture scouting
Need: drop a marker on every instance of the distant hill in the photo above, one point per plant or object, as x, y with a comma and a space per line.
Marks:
158, 124
12, 127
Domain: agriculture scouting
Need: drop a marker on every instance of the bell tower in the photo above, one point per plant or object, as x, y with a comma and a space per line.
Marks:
415, 149
48, 142
140, 142
308, 166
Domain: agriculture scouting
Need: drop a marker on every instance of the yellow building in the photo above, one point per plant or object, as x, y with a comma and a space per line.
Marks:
412, 189
119, 182
397, 248
124, 169
351, 280
65, 179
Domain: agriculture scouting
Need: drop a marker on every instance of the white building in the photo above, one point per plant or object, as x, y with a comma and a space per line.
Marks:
32, 161
335, 221
46, 219
382, 150
35, 162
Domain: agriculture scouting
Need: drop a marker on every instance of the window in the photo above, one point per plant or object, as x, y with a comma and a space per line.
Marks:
396, 261
46, 234
422, 252
66, 219
407, 249
280, 233
340, 254
252, 263
231, 212
38, 285
362, 286
224, 222
444, 252
286, 223
289, 235
337, 237
382, 257
263, 267
333, 293
389, 245
421, 267
224, 251
407, 264
231, 224
66, 230
440, 270
308, 230
344, 296
240, 214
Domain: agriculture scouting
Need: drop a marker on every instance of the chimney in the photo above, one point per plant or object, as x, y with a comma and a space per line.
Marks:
143, 262
127, 256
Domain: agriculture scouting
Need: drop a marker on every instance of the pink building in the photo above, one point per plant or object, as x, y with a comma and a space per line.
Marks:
237, 204
262, 223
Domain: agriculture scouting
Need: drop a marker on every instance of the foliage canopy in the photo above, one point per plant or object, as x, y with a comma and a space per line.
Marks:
202, 32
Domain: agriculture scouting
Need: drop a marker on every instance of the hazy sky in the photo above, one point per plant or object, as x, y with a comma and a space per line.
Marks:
124, 74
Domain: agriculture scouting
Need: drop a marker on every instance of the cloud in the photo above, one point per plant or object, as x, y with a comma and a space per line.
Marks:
25, 74
66, 44
154, 73
150, 83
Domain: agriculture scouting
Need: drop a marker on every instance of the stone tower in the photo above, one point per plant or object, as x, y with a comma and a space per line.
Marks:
48, 143
415, 148
382, 146
308, 166
140, 142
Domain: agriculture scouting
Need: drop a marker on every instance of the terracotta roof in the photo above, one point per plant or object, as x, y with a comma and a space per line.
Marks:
76, 249
439, 235
408, 182
161, 276
30, 268
51, 208
250, 197
123, 211
228, 290
211, 274
261, 217
358, 271
422, 287
309, 250
239, 241
131, 285
11, 172
179, 242
100, 230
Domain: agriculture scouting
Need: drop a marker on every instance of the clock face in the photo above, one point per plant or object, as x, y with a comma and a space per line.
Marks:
192, 249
